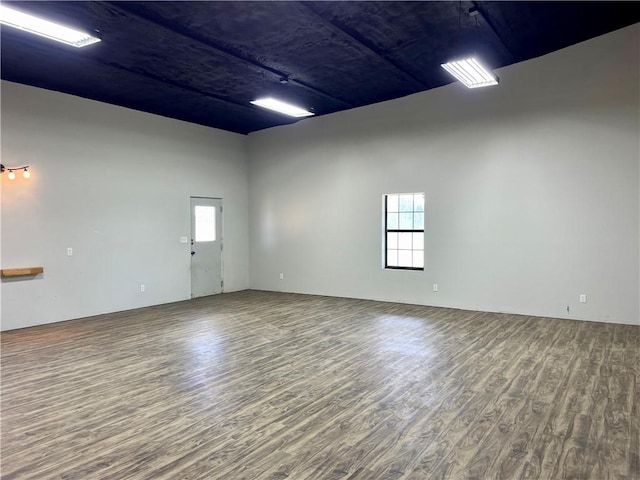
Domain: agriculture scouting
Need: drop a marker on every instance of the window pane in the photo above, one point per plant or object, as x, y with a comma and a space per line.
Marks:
405, 258
418, 202
418, 220
392, 221
392, 203
404, 240
404, 249
418, 241
406, 203
392, 240
418, 259
205, 217
406, 221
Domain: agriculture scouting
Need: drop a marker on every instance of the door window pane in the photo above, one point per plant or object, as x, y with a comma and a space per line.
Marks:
205, 223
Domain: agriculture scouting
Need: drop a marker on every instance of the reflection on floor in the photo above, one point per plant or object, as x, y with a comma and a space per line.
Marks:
259, 385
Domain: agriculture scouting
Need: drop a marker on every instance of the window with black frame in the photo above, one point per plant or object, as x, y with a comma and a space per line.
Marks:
404, 231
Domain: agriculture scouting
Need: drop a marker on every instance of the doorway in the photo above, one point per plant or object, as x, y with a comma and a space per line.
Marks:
206, 246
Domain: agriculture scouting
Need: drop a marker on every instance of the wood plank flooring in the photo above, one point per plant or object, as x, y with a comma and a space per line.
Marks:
259, 385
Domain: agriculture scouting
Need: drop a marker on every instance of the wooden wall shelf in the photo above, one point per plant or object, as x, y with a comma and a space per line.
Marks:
15, 272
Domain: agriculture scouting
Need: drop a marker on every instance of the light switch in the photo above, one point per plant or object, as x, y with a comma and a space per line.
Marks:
184, 240
69, 252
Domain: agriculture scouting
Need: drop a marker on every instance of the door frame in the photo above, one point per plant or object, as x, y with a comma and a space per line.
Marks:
221, 222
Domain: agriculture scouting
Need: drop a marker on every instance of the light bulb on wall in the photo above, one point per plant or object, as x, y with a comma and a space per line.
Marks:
12, 174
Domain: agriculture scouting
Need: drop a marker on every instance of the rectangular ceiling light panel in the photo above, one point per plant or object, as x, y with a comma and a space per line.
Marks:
45, 28
281, 107
471, 73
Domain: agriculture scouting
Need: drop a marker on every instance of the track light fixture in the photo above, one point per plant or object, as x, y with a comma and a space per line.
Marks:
12, 174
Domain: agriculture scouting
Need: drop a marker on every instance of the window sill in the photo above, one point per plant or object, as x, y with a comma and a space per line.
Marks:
405, 268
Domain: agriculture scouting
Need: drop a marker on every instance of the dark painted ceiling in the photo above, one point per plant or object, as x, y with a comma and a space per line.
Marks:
203, 62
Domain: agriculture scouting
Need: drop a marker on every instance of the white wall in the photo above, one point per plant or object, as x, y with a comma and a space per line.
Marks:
532, 191
113, 184
532, 195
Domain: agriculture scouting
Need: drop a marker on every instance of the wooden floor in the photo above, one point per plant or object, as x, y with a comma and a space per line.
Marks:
257, 385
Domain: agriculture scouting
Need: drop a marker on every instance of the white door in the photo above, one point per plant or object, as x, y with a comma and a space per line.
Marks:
206, 246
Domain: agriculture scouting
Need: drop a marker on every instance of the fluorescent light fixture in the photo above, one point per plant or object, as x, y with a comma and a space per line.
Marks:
471, 73
45, 28
281, 107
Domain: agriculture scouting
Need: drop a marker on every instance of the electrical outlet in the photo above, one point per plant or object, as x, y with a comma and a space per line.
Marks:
142, 287
184, 239
583, 298
435, 287
282, 276
69, 252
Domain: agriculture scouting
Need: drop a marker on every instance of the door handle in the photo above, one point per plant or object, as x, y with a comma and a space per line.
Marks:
192, 253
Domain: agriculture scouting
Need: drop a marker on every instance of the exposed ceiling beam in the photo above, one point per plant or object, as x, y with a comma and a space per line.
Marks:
494, 31
223, 51
363, 42
69, 54
181, 86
